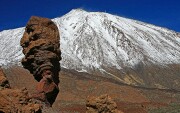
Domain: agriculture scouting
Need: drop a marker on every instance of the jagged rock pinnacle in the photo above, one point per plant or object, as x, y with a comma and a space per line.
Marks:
40, 44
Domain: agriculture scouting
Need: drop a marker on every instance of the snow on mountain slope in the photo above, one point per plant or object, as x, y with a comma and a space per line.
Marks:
96, 39
10, 49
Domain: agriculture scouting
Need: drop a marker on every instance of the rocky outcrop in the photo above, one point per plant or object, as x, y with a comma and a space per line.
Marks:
3, 80
15, 100
101, 104
40, 44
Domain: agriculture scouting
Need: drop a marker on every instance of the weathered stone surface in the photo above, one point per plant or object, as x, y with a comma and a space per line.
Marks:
17, 101
46, 91
3, 80
101, 104
41, 48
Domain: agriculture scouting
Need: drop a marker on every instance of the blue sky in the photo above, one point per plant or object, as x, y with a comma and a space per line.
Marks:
164, 13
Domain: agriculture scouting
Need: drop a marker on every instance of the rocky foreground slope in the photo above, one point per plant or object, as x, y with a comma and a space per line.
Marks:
13, 100
76, 86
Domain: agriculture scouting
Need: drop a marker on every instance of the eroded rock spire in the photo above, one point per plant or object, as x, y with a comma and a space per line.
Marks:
41, 48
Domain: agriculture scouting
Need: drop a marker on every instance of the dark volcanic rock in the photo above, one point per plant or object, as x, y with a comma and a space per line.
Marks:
101, 104
41, 45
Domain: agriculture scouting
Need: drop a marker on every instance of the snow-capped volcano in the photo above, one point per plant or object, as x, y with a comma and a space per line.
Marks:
96, 39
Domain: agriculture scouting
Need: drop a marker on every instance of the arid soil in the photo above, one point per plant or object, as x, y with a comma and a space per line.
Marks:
76, 87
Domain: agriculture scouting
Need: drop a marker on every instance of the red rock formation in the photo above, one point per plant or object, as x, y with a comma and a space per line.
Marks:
3, 80
15, 100
40, 44
101, 104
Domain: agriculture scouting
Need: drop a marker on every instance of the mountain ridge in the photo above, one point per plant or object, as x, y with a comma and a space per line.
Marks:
127, 50
112, 28
105, 15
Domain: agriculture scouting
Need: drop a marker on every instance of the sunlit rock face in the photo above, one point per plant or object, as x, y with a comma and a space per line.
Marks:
41, 45
101, 104
14, 100
4, 83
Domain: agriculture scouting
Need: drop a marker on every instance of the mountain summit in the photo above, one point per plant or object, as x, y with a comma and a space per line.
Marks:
107, 43
93, 39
